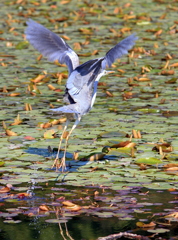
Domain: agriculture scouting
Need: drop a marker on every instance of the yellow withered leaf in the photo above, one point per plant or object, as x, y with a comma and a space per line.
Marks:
49, 134
10, 133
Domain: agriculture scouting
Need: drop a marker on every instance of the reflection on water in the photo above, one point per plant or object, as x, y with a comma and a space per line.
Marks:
103, 212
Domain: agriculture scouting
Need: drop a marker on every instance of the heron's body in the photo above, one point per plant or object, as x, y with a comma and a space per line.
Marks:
81, 86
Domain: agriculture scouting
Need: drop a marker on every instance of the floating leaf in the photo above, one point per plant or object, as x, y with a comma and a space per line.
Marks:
145, 225
10, 133
71, 206
148, 160
49, 134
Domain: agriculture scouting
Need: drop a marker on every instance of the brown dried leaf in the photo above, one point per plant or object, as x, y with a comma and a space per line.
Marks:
136, 133
5, 189
13, 94
109, 94
71, 206
172, 215
75, 155
51, 87
143, 166
95, 52
174, 65
77, 46
45, 125
44, 208
38, 78
169, 165
121, 70
58, 121
123, 144
172, 169
162, 147
159, 32
143, 79
17, 121
10, 133
127, 95
85, 31
28, 107
66, 37
167, 72
4, 125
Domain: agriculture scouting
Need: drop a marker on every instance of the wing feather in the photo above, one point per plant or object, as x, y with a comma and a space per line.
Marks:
51, 45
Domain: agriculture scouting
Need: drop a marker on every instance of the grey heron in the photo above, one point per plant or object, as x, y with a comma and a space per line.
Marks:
81, 86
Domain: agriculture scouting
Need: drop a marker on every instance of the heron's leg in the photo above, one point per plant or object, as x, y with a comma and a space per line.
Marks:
56, 161
63, 159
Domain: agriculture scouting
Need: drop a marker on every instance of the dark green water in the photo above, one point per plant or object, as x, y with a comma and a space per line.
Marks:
121, 210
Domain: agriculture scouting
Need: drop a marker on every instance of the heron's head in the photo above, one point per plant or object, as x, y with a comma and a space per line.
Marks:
107, 72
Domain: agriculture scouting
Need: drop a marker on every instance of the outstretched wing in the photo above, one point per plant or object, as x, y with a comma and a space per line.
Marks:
51, 45
89, 71
120, 49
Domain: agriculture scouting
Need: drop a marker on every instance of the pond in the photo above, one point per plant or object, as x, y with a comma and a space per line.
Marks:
100, 212
122, 168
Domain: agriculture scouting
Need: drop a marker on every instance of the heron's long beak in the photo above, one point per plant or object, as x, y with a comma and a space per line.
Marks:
108, 72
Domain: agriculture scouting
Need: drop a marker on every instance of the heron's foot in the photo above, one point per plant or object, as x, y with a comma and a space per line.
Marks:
56, 163
63, 164
59, 163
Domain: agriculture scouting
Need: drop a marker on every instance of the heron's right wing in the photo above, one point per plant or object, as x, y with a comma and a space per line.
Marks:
119, 50
51, 45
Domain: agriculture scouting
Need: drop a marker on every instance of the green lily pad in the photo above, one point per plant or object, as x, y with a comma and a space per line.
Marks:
149, 160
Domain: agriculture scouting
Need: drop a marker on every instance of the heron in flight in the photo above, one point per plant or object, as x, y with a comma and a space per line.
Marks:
81, 86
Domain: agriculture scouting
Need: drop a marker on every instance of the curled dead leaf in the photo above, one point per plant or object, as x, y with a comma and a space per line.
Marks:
143, 79
169, 165
127, 95
75, 155
71, 206
5, 189
66, 37
51, 87
128, 144
45, 125
163, 147
174, 65
172, 169
136, 133
167, 72
13, 94
17, 121
109, 94
43, 208
38, 78
172, 215
10, 133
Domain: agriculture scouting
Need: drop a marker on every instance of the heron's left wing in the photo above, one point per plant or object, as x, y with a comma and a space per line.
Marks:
120, 49
51, 45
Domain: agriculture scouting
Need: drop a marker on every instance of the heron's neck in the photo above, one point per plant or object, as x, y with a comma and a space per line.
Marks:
99, 76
